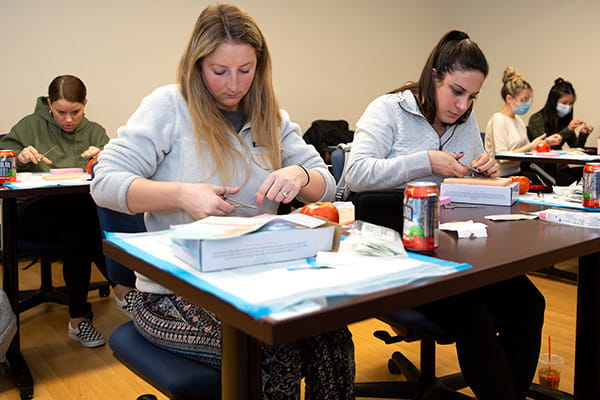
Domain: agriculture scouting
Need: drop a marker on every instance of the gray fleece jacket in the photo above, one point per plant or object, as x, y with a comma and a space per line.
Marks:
158, 143
391, 142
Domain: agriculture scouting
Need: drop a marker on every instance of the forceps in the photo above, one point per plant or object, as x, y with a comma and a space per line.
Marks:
46, 153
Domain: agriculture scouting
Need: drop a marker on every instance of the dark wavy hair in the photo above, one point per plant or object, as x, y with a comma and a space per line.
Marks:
454, 52
552, 122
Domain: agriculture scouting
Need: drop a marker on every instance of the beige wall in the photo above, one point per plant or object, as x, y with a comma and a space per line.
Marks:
331, 58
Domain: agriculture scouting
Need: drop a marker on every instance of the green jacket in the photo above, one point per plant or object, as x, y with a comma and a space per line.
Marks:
537, 128
41, 131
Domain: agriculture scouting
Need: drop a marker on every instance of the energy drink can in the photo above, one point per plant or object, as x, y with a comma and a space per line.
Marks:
421, 229
591, 185
8, 166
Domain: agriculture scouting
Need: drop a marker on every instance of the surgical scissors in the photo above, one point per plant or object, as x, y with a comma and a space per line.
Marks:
450, 206
238, 204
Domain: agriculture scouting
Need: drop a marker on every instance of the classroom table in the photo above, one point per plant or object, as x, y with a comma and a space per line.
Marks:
10, 282
511, 249
553, 157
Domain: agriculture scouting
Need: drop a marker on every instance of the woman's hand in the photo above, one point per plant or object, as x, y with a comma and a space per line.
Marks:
282, 185
536, 141
90, 152
574, 124
30, 155
444, 163
201, 200
486, 165
554, 140
586, 130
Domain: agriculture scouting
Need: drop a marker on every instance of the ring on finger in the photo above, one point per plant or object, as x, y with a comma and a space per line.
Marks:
285, 194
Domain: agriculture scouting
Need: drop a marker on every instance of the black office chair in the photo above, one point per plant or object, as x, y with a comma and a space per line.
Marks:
385, 208
47, 253
175, 376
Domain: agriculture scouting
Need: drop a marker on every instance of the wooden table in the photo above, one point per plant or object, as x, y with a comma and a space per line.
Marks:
511, 249
15, 358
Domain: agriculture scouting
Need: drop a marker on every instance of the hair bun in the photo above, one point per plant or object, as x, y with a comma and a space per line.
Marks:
510, 74
558, 81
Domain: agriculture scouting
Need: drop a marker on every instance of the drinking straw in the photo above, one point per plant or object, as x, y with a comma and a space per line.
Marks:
549, 349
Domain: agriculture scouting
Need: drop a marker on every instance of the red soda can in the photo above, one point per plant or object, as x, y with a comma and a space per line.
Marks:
421, 229
8, 166
591, 185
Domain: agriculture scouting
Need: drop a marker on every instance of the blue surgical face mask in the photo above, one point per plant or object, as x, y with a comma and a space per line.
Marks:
522, 108
563, 109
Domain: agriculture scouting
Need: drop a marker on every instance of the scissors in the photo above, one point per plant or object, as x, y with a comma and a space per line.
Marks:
473, 170
238, 204
450, 206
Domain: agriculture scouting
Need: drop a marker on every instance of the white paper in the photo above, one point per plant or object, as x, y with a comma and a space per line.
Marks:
292, 286
466, 229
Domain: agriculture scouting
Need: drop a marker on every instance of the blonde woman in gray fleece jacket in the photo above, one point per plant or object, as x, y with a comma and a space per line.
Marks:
426, 131
197, 149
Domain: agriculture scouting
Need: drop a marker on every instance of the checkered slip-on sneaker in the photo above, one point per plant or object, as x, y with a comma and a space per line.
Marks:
126, 305
86, 334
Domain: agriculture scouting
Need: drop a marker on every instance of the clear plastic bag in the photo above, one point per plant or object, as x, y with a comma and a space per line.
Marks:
374, 241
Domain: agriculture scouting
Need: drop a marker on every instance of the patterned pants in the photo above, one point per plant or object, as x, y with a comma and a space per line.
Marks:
325, 361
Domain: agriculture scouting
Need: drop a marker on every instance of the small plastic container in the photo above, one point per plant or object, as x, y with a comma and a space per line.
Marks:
549, 370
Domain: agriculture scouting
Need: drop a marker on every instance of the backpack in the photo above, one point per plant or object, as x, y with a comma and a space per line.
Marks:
323, 134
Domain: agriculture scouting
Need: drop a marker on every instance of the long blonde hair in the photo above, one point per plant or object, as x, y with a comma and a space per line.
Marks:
216, 25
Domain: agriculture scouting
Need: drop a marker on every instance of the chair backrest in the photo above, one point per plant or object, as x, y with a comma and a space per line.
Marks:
381, 207
339, 161
114, 221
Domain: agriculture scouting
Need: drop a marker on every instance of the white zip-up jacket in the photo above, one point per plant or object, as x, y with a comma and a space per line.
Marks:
158, 143
391, 142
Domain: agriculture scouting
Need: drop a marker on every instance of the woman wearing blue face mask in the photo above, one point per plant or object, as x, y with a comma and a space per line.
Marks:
557, 118
505, 130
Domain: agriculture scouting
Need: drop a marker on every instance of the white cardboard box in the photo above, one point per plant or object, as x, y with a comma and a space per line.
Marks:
257, 247
481, 194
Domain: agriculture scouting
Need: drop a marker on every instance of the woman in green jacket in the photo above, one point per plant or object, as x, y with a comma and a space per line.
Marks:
556, 117
58, 135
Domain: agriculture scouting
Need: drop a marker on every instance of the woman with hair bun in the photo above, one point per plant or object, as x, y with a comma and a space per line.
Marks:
506, 131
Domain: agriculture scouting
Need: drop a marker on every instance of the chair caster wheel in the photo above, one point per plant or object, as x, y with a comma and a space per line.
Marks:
393, 367
147, 397
105, 292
